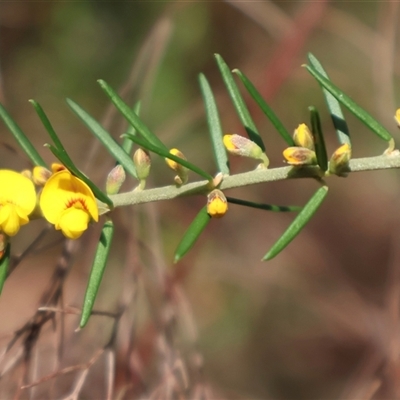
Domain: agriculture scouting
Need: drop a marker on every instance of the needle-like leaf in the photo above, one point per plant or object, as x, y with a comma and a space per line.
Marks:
262, 206
192, 233
96, 274
339, 122
238, 102
109, 143
126, 143
4, 263
21, 138
266, 109
298, 223
319, 141
214, 126
130, 116
351, 105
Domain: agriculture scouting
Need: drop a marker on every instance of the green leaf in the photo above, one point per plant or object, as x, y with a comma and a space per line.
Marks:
109, 143
66, 161
166, 154
214, 126
126, 143
192, 233
4, 263
238, 102
267, 110
46, 123
21, 138
351, 105
96, 274
319, 141
261, 206
299, 222
339, 122
131, 117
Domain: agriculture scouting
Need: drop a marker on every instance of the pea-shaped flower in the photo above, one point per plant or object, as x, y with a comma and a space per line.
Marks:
217, 205
17, 201
68, 203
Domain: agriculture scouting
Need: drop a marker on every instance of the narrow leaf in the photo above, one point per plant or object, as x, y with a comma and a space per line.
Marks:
192, 233
262, 206
46, 123
4, 263
96, 274
299, 222
109, 143
267, 110
339, 122
351, 105
238, 102
214, 126
131, 117
66, 161
319, 141
126, 143
21, 138
166, 154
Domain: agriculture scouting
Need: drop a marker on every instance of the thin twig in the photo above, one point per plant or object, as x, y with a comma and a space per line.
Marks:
250, 178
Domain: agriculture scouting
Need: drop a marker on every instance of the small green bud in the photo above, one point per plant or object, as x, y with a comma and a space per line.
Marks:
142, 161
115, 179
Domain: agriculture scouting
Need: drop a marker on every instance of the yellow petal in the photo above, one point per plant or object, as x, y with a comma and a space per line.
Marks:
217, 205
61, 191
17, 189
73, 222
9, 219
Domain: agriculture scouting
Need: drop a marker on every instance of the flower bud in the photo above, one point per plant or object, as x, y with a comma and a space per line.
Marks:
339, 161
27, 173
241, 146
299, 156
40, 175
142, 162
303, 137
115, 179
182, 172
55, 167
217, 205
397, 117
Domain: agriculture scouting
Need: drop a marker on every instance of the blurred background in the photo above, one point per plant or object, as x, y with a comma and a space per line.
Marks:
318, 322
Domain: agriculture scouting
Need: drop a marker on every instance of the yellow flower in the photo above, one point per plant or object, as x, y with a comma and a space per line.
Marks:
17, 201
68, 203
217, 205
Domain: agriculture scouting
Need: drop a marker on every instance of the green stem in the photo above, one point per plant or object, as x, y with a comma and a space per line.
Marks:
249, 178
